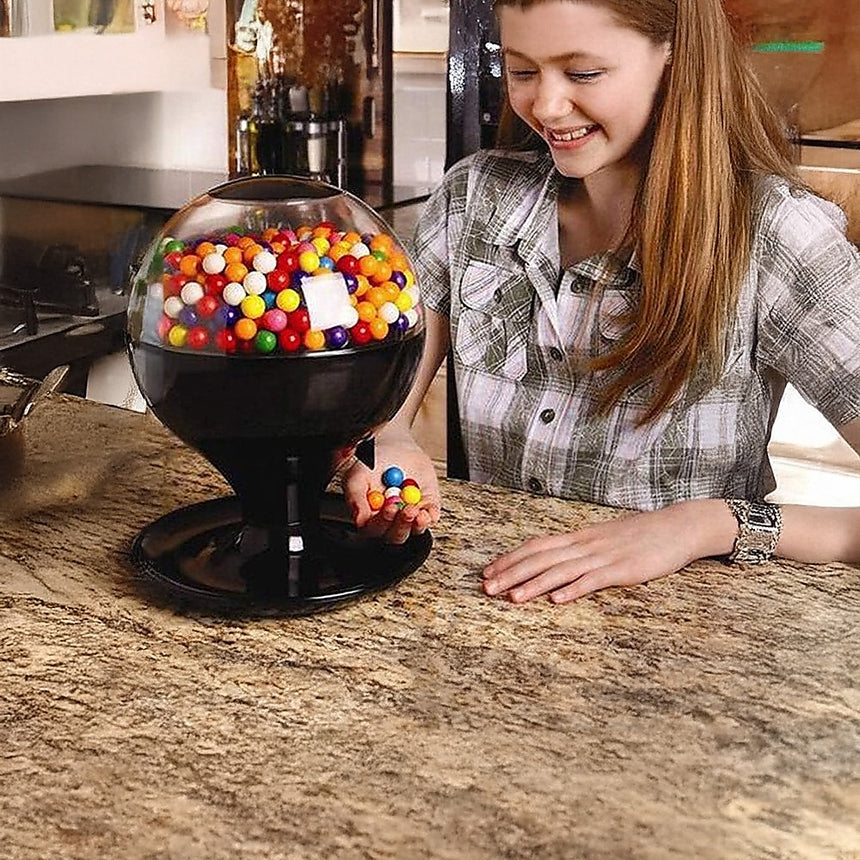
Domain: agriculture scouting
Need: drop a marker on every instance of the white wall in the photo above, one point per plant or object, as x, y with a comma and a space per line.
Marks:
174, 130
419, 119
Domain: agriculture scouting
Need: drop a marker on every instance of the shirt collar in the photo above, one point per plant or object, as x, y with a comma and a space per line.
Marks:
527, 214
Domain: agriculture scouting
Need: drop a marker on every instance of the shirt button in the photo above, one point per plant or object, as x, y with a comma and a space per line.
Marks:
547, 416
497, 295
556, 353
534, 485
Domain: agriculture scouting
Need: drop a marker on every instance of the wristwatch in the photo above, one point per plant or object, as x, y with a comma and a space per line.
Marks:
759, 527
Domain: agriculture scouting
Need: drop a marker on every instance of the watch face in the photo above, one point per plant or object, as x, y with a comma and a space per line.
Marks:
761, 517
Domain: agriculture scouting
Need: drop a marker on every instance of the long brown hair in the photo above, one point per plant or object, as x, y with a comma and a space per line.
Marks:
713, 135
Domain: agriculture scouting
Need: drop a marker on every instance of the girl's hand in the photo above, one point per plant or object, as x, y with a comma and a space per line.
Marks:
392, 524
627, 551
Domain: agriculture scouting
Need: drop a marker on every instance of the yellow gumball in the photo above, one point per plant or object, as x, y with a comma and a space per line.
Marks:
288, 300
410, 494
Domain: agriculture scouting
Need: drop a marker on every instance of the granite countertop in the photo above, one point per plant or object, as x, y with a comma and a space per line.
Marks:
711, 714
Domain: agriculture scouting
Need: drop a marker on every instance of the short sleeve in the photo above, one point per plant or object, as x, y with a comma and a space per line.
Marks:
809, 302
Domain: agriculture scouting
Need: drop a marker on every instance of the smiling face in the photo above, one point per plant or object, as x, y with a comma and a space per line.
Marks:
583, 82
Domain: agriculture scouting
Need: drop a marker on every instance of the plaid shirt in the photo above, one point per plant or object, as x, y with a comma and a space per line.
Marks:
522, 329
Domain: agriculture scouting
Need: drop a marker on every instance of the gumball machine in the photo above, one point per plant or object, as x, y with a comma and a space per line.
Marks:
274, 322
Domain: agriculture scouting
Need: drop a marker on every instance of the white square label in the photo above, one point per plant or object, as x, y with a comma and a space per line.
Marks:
327, 300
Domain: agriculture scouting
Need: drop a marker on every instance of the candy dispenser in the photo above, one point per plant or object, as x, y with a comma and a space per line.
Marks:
273, 323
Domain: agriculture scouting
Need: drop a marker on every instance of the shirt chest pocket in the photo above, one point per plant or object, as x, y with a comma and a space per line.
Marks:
494, 320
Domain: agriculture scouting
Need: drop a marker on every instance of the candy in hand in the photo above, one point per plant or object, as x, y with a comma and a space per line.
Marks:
398, 490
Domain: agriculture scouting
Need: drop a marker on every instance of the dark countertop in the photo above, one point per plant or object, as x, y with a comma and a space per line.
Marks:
710, 714
137, 187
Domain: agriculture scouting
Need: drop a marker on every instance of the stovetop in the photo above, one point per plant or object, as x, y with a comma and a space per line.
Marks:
14, 325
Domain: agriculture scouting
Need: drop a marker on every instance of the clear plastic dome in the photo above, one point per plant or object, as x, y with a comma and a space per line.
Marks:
274, 266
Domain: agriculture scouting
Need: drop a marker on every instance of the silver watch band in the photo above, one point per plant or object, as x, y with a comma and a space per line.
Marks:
759, 528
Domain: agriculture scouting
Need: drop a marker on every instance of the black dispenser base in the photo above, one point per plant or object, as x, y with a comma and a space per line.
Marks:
207, 556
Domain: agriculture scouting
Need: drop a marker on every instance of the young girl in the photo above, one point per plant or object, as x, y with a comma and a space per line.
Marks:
626, 291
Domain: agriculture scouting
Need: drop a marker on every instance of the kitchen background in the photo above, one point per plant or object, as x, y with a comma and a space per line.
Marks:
155, 98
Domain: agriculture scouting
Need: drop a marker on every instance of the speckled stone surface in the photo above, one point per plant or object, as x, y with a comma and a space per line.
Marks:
711, 714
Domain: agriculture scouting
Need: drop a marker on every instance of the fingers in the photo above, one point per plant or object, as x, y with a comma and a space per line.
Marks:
397, 526
540, 573
544, 548
567, 567
588, 583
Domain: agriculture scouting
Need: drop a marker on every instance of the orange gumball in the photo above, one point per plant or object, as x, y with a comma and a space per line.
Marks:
382, 273
233, 255
366, 311
368, 266
376, 296
391, 290
188, 265
314, 339
236, 272
397, 260
245, 329
375, 499
378, 328
381, 242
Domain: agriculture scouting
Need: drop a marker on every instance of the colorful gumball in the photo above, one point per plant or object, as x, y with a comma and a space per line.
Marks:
392, 476
411, 494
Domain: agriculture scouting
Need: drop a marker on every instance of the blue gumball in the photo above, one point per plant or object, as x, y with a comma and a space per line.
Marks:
392, 476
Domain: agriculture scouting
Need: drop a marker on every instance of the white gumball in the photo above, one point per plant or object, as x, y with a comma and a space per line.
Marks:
234, 294
173, 306
191, 293
264, 262
214, 264
254, 283
389, 312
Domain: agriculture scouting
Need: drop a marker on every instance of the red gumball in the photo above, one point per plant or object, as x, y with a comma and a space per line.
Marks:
164, 326
198, 337
173, 284
289, 340
207, 306
172, 259
347, 264
409, 482
277, 280
214, 284
299, 320
225, 340
288, 261
360, 334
